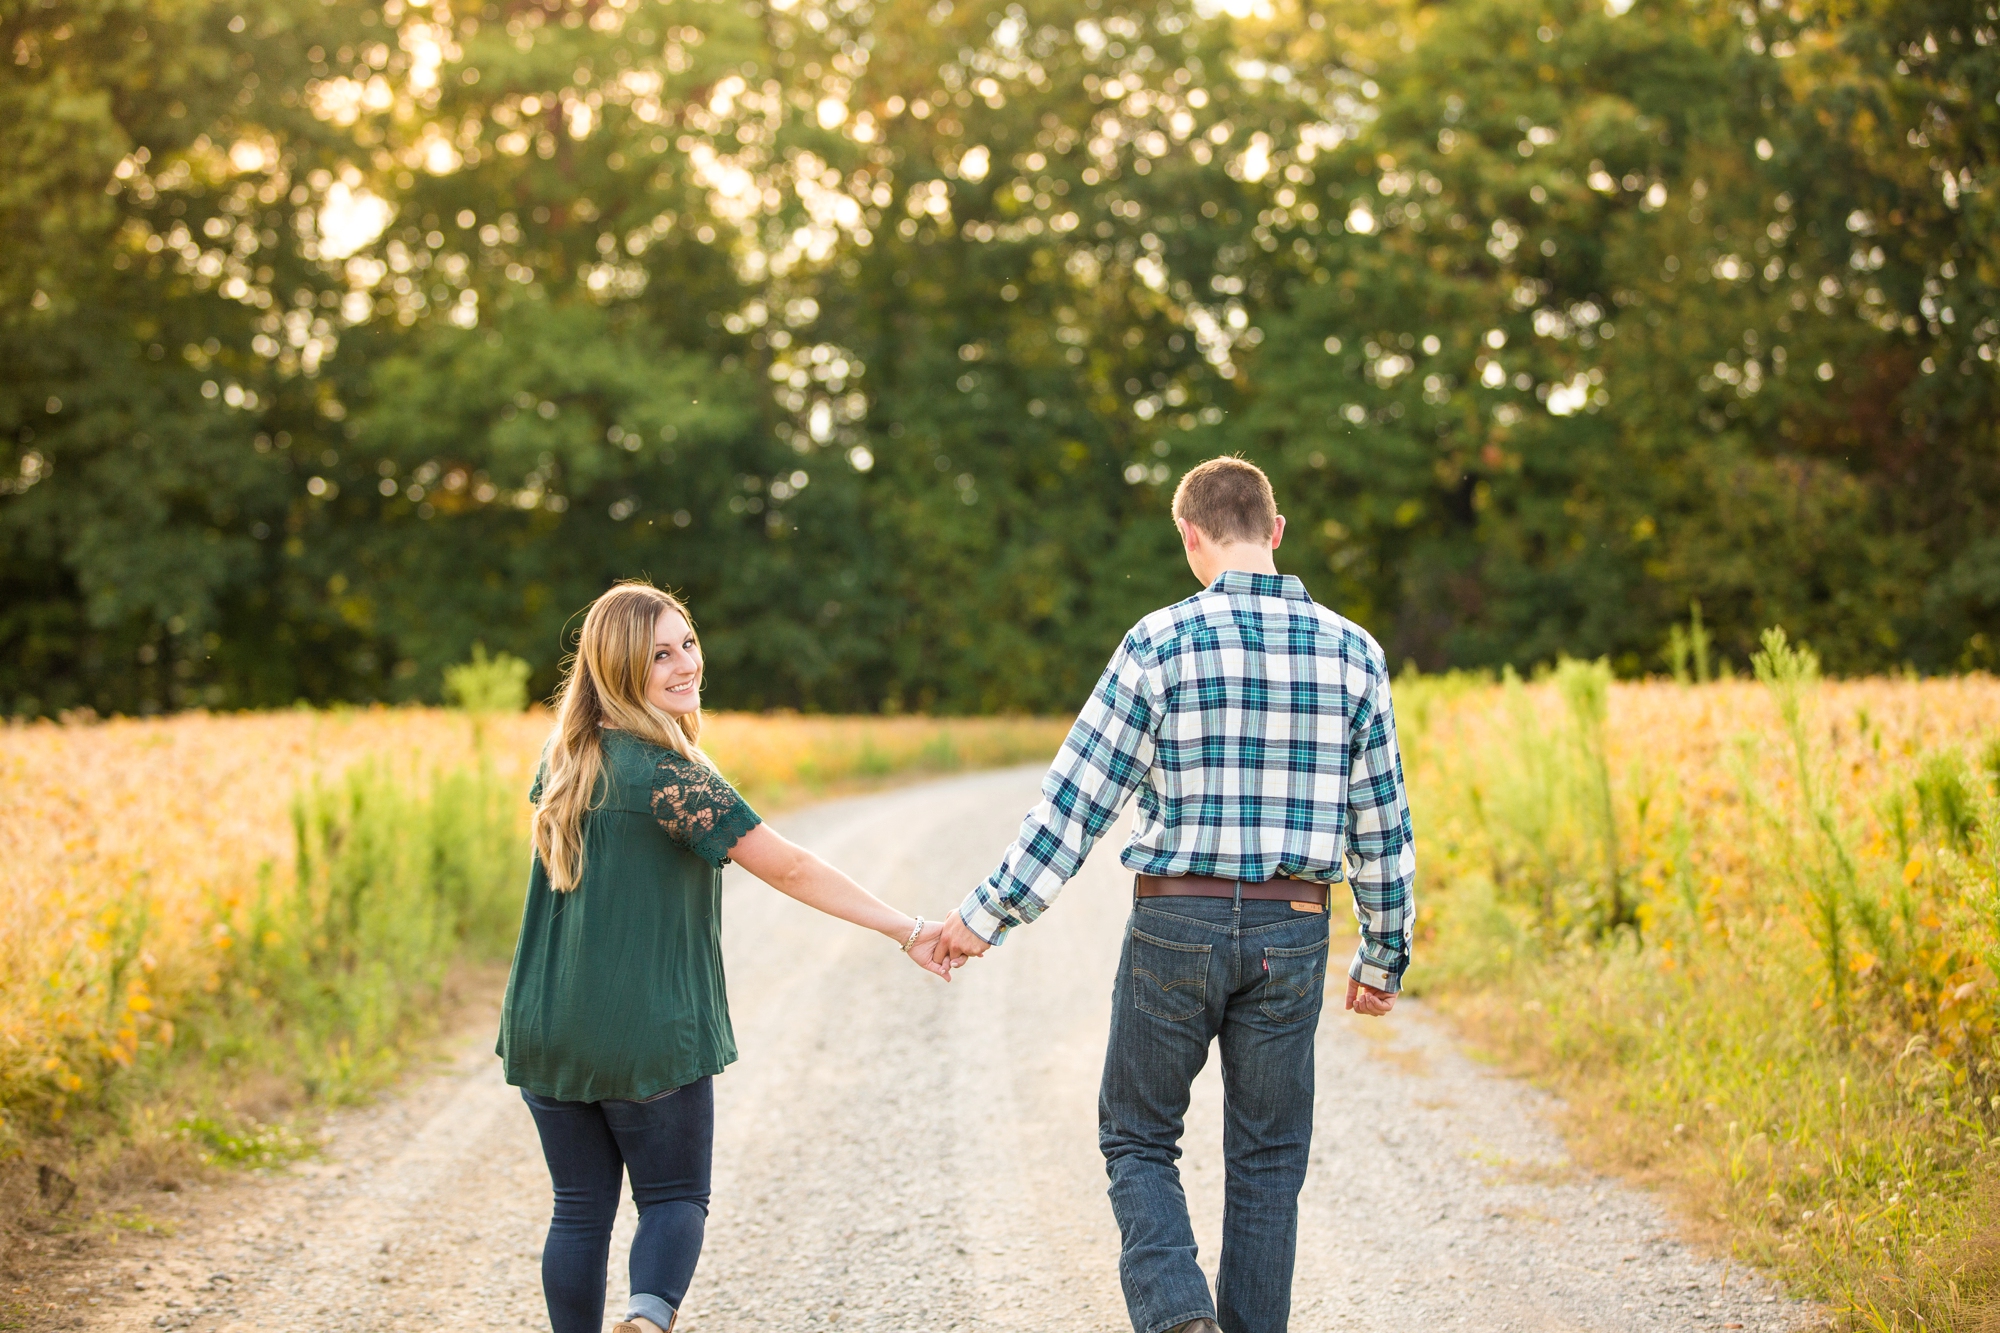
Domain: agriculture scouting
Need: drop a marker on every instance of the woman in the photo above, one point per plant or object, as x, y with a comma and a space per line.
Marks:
616, 1019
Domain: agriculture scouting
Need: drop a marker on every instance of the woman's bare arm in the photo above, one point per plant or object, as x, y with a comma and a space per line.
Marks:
797, 873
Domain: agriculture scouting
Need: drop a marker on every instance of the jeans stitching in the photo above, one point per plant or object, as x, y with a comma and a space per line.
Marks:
1315, 983
1270, 926
1177, 1320
1196, 986
1186, 920
1299, 952
1298, 996
1178, 946
1166, 985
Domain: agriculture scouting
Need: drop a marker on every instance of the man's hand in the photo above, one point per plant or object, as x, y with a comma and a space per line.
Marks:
958, 943
1367, 1000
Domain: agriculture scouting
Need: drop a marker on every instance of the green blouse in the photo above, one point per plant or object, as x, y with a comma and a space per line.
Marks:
617, 989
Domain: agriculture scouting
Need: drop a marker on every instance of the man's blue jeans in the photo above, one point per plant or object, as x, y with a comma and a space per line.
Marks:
664, 1144
1194, 970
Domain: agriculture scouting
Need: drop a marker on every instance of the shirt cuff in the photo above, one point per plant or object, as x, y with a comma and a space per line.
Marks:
1368, 974
981, 919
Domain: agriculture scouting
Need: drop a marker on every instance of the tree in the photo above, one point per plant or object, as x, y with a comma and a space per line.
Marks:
344, 337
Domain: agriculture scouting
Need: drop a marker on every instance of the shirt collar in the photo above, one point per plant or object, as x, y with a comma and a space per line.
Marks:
1239, 583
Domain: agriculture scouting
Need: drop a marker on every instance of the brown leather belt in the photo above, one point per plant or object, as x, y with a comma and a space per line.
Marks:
1208, 886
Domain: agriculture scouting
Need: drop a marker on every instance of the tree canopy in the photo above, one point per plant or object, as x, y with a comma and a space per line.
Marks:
342, 336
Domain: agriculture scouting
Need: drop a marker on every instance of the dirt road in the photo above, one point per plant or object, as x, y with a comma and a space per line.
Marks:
896, 1154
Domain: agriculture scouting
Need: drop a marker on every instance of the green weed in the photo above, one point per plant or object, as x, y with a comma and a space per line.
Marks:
247, 1144
497, 684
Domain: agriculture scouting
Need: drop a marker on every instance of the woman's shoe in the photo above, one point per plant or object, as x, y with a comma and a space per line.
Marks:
636, 1325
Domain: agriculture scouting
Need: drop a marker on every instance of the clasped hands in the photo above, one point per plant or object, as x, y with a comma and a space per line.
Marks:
942, 946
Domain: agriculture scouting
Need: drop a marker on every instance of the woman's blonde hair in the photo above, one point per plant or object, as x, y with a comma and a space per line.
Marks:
604, 685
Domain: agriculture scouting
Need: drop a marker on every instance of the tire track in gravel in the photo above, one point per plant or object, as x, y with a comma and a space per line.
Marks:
894, 1154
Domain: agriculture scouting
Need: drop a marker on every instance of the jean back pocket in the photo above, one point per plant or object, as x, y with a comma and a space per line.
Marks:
1294, 982
1169, 979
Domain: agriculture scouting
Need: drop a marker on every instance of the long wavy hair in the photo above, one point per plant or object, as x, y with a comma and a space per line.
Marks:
604, 685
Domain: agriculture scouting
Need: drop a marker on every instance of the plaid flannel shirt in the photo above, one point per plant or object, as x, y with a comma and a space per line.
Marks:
1256, 727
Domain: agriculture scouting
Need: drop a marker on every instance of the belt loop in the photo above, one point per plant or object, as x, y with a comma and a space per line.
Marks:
1239, 896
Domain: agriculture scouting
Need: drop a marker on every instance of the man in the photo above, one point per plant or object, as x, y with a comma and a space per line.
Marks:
1256, 727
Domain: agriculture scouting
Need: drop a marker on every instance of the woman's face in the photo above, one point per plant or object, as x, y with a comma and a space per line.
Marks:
674, 683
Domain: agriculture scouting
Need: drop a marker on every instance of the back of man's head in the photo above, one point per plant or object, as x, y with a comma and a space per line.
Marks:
1229, 499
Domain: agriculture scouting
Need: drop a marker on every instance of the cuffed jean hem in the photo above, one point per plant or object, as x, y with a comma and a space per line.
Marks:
643, 1306
1179, 1319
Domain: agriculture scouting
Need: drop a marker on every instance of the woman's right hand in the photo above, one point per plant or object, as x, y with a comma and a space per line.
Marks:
924, 951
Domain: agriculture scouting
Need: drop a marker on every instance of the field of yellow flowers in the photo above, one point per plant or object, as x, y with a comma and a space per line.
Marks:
1751, 930
280, 894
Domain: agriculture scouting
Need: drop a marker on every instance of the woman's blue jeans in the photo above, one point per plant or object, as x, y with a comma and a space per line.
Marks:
1251, 976
665, 1144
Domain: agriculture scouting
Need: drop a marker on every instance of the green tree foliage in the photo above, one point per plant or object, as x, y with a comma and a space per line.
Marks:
157, 163
1673, 357
344, 336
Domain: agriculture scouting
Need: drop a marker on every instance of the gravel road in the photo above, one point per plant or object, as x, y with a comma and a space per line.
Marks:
897, 1154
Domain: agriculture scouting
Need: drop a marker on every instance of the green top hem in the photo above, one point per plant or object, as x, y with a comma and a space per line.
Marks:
563, 1093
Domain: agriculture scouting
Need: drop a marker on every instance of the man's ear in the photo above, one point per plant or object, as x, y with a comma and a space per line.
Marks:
1190, 534
1278, 533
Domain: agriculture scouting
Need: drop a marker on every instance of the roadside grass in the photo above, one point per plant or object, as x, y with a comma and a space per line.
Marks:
1750, 931
214, 922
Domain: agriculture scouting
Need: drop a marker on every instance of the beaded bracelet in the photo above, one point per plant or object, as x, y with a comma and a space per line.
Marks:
913, 935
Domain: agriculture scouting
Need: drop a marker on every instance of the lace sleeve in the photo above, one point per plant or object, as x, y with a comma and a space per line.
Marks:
700, 810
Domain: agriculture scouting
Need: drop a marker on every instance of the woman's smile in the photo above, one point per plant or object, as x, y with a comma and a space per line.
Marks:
674, 683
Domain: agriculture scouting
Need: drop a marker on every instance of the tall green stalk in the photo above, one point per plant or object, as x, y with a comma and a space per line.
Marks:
1526, 802
1791, 673
1689, 645
1586, 689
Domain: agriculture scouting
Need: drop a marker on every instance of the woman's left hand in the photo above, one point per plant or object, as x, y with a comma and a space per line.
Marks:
924, 951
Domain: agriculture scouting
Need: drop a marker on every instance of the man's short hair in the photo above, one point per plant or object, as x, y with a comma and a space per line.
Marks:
1229, 499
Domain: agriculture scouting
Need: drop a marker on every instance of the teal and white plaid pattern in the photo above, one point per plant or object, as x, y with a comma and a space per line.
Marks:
1257, 728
